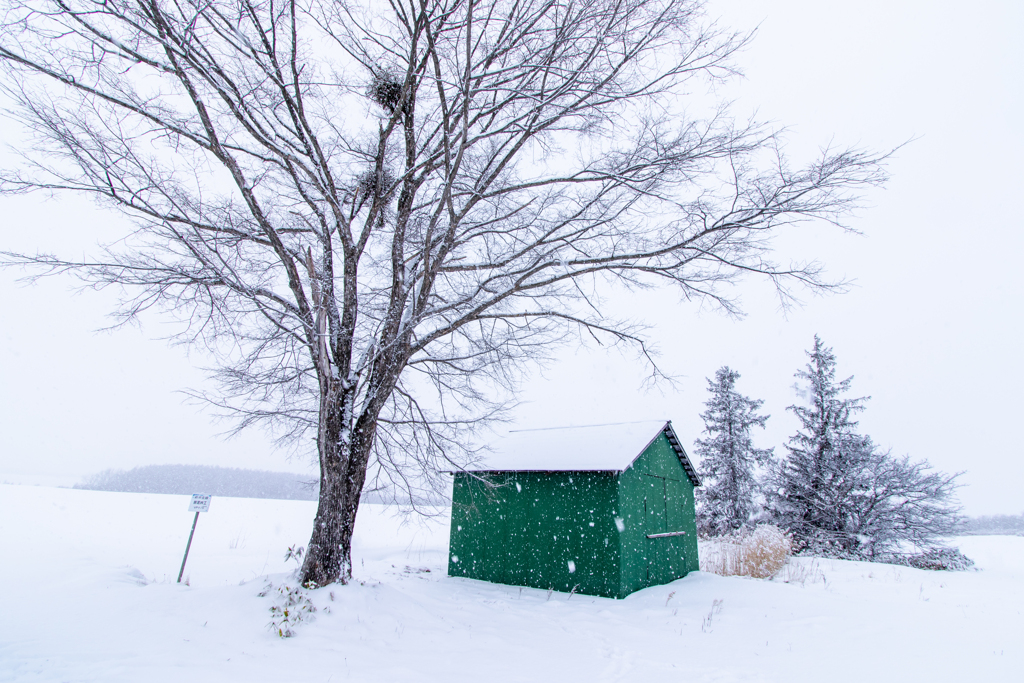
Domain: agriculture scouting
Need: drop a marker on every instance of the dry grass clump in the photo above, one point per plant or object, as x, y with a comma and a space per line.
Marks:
759, 554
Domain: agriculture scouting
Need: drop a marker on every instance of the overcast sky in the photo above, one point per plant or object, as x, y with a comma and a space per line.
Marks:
931, 329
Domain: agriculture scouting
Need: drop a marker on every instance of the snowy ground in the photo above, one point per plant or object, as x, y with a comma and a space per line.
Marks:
88, 585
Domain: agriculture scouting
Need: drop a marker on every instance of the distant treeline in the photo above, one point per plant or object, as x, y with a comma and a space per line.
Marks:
216, 481
1002, 525
231, 482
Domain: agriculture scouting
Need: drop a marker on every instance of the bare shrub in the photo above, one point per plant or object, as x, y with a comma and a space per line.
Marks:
759, 554
802, 571
939, 559
764, 552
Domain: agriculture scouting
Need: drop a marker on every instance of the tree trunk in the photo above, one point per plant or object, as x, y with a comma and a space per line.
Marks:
343, 458
328, 555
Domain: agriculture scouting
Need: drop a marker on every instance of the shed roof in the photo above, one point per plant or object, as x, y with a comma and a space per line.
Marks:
592, 448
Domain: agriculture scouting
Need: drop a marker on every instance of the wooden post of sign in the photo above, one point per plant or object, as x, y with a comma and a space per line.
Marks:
200, 503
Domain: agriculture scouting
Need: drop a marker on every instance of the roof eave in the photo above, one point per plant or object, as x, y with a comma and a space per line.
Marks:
677, 446
546, 471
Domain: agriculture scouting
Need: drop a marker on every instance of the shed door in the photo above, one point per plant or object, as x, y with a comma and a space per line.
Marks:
665, 551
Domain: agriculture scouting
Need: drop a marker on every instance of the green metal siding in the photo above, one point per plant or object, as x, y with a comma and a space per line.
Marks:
656, 497
577, 531
545, 530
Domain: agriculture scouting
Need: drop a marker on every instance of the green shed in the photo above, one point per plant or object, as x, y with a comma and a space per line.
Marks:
602, 510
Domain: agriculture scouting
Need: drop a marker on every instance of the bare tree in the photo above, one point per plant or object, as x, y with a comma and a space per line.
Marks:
358, 204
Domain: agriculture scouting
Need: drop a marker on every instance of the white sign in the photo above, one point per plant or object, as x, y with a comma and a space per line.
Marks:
200, 503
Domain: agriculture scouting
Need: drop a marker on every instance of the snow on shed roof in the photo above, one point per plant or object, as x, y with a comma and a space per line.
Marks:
593, 448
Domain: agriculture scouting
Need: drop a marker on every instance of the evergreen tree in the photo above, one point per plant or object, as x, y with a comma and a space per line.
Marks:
825, 458
838, 495
728, 457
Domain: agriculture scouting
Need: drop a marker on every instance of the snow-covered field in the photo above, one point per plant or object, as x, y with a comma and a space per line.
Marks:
89, 595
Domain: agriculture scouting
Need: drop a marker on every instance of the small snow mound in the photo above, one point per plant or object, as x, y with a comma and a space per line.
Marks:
133, 575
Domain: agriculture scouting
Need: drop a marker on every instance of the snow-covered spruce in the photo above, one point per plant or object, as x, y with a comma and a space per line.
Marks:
838, 495
729, 461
